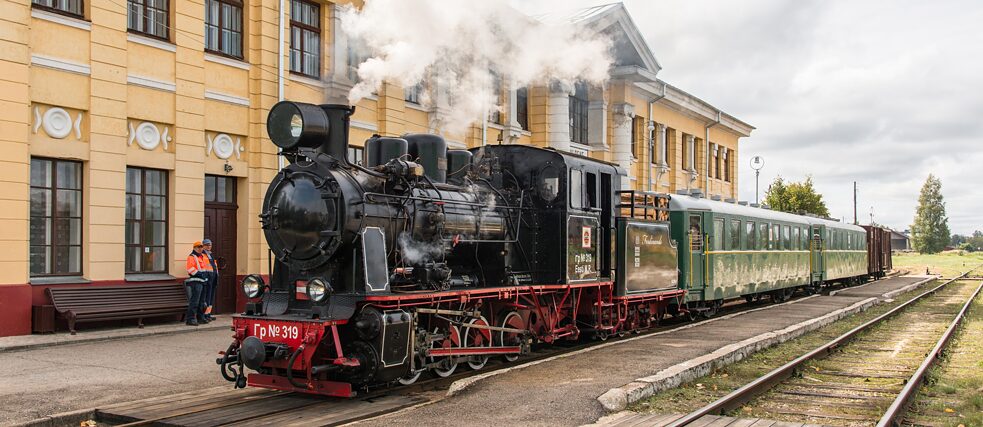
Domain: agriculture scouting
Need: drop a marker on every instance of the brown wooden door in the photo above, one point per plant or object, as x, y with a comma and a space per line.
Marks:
220, 227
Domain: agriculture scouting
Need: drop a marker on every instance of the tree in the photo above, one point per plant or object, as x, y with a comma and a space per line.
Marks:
795, 197
930, 232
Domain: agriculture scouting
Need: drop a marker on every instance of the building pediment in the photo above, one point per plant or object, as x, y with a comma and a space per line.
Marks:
633, 59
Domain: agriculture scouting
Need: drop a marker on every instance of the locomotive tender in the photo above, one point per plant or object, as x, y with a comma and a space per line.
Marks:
424, 259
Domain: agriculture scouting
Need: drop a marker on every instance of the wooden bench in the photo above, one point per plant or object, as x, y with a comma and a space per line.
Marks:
98, 303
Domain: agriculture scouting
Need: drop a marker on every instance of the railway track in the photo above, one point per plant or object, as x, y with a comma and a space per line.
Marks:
261, 407
867, 376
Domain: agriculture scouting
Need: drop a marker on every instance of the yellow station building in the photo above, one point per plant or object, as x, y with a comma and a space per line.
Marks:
131, 128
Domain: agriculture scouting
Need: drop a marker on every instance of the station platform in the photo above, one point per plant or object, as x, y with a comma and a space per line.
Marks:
566, 391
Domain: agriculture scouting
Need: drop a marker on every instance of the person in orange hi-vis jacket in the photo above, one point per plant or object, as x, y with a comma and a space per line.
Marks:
199, 270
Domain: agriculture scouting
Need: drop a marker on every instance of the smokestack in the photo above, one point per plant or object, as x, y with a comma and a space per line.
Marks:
336, 145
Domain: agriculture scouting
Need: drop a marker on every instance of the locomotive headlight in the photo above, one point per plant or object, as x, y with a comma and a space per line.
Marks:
253, 285
296, 124
318, 289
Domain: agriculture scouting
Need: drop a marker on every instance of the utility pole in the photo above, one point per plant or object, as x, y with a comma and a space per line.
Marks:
855, 203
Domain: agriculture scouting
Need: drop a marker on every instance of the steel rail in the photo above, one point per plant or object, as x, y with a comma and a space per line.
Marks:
767, 381
895, 413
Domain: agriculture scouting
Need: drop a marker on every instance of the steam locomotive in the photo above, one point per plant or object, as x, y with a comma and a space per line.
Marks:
425, 259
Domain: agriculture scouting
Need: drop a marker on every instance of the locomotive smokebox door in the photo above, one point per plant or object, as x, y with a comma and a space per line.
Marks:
374, 260
583, 253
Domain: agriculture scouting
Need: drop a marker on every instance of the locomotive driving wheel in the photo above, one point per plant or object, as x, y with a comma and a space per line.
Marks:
446, 364
477, 337
514, 321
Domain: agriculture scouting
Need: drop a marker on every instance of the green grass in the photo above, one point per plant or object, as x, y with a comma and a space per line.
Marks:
949, 264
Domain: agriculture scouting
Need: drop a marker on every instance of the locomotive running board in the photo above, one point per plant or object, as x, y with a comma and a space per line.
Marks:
473, 351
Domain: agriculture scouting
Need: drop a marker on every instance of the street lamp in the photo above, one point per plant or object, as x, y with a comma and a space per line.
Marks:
757, 162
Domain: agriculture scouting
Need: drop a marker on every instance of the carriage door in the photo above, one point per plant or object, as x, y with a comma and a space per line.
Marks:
816, 259
697, 251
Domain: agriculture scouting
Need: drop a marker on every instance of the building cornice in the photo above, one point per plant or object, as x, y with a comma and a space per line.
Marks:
685, 103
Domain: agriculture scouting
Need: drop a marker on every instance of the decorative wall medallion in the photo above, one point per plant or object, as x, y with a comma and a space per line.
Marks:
37, 118
148, 135
239, 149
78, 126
223, 146
56, 122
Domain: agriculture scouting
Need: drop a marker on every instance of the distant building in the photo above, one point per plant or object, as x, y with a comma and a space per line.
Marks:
900, 241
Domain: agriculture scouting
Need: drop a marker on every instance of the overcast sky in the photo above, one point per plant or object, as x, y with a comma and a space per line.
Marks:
878, 92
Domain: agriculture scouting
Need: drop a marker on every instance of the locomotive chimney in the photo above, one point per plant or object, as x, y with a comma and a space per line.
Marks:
336, 144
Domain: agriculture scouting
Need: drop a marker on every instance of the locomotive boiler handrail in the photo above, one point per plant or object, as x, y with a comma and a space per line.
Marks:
369, 195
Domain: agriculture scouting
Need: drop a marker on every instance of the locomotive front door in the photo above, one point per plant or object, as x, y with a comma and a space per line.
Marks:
697, 252
816, 260
220, 227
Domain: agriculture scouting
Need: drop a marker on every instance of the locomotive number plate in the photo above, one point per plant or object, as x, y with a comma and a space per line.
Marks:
274, 331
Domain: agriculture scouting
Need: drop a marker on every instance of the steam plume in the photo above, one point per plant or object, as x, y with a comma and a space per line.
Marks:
455, 44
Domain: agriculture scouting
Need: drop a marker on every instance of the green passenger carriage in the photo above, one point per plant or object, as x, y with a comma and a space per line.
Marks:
728, 251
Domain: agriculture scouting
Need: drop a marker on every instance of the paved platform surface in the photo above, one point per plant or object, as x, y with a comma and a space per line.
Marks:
49, 380
565, 391
85, 335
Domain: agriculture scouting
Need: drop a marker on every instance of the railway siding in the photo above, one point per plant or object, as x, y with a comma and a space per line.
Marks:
863, 377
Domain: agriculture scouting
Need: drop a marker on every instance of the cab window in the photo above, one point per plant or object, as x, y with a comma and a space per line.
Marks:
576, 189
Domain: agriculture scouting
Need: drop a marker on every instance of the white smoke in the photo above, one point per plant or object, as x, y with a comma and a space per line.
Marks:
416, 252
455, 45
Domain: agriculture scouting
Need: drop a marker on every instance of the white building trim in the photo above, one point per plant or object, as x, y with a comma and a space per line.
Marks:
152, 42
61, 19
222, 97
358, 124
150, 83
226, 61
60, 64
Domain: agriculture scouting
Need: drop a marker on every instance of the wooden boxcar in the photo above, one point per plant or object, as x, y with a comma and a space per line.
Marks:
878, 250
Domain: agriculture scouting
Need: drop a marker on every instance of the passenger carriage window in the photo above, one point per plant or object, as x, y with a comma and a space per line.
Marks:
576, 189
751, 234
775, 240
786, 234
796, 244
763, 236
718, 234
805, 239
735, 234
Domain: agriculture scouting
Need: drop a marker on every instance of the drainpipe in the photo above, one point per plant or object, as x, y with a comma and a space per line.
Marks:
659, 168
706, 154
280, 71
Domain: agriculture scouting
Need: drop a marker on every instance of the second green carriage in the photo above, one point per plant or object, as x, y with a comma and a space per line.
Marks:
729, 251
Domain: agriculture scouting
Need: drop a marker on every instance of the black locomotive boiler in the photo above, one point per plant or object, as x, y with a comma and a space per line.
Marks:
424, 259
